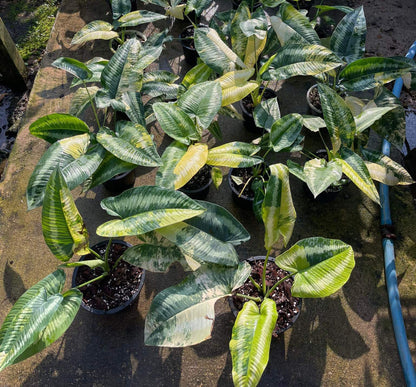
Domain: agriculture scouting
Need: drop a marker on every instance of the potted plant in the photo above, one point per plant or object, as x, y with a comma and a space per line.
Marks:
44, 312
319, 266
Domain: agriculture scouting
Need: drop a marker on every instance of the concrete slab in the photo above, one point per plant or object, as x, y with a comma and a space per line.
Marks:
346, 339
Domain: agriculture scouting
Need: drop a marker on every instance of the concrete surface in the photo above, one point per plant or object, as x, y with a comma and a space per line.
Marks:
346, 339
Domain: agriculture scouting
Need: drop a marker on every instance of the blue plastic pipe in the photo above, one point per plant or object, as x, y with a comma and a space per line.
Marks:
390, 266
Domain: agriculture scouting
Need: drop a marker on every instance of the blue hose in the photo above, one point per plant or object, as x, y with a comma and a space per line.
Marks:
390, 267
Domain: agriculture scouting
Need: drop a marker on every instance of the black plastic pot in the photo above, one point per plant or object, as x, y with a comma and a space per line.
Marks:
187, 41
97, 247
312, 108
242, 200
297, 303
120, 182
198, 193
247, 113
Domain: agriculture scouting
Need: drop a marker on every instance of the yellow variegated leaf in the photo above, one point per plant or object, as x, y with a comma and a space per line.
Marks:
235, 78
236, 93
176, 12
191, 162
253, 50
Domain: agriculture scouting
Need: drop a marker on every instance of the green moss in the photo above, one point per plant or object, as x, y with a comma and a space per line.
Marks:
41, 19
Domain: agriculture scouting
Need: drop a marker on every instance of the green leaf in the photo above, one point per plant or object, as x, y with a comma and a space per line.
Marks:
58, 323
234, 155
215, 130
61, 153
255, 26
56, 126
296, 59
121, 75
81, 100
197, 5
120, 8
96, 66
154, 257
97, 29
392, 126
321, 266
131, 143
313, 123
170, 158
176, 123
319, 174
202, 101
108, 168
238, 38
62, 225
214, 52
296, 170
146, 208
136, 18
29, 316
74, 67
183, 315
220, 223
250, 341
266, 113
354, 167
285, 131
278, 212
338, 117
383, 169
197, 74
370, 115
134, 107
348, 38
367, 73
216, 176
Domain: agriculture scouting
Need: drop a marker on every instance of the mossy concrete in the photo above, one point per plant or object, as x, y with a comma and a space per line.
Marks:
345, 339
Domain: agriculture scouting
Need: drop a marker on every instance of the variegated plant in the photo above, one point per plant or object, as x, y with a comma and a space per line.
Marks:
185, 121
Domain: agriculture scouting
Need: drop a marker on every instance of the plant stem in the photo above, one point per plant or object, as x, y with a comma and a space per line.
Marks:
258, 287
107, 252
255, 299
92, 104
326, 148
105, 274
95, 253
271, 290
263, 279
245, 186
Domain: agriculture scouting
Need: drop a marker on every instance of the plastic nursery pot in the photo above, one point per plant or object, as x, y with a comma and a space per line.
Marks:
120, 182
198, 186
114, 292
243, 199
247, 107
187, 41
314, 102
288, 307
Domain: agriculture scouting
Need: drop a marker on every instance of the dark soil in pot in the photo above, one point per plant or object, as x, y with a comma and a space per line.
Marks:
247, 108
243, 194
120, 182
115, 291
198, 186
314, 101
288, 307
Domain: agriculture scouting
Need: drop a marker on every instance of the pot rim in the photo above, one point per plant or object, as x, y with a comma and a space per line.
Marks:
124, 304
308, 100
242, 196
235, 311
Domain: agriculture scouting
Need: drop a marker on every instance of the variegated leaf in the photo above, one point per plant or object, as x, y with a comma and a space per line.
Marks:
338, 117
285, 131
278, 212
96, 29
197, 74
354, 167
136, 18
383, 169
266, 113
183, 315
82, 99
234, 155
250, 341
62, 225
74, 67
297, 59
146, 208
348, 38
170, 158
59, 154
238, 38
320, 266
313, 123
319, 174
368, 116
